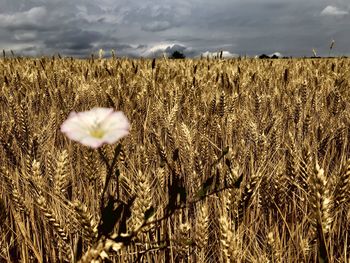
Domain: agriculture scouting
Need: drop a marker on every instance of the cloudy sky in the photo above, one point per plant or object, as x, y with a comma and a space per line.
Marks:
149, 27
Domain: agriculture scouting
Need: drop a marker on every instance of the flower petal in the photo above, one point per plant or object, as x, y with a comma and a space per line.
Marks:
77, 135
91, 141
116, 120
74, 125
114, 136
96, 115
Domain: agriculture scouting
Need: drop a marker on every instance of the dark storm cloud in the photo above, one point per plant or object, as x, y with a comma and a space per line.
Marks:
73, 39
150, 28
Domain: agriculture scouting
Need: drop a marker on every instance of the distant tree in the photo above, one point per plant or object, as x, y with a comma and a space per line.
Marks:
263, 56
177, 55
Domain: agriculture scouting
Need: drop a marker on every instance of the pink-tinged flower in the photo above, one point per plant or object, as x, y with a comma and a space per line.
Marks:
95, 127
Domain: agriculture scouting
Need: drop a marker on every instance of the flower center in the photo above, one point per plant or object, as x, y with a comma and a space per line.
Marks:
97, 133
96, 130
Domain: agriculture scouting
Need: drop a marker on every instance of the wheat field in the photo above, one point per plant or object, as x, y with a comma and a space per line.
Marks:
239, 160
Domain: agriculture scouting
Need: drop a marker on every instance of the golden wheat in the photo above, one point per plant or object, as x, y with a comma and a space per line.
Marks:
220, 163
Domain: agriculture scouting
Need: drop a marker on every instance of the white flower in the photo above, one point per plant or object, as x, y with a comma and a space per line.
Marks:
95, 127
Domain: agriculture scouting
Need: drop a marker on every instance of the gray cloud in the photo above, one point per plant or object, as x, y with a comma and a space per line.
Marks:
157, 26
148, 28
24, 20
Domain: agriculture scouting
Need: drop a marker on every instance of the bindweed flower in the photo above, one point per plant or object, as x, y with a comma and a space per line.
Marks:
96, 127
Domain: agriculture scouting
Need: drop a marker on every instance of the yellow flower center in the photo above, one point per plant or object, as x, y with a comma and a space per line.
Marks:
97, 133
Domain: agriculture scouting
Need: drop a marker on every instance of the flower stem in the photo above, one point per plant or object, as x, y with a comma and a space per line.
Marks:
109, 172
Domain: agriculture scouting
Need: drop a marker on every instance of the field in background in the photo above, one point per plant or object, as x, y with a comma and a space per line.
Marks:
245, 161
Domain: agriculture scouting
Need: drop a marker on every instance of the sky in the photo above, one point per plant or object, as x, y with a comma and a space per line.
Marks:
146, 28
